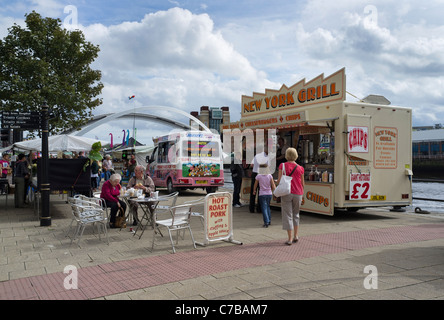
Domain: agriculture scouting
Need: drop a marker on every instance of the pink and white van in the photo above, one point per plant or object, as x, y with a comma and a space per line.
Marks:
187, 160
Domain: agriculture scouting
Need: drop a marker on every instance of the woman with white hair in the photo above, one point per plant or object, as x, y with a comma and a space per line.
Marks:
110, 192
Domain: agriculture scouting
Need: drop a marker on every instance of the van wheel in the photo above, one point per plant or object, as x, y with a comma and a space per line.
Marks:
170, 187
211, 189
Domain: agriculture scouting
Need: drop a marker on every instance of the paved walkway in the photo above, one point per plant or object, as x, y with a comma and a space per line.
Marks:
404, 251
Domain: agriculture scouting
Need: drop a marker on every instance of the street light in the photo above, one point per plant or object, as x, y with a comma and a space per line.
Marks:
45, 218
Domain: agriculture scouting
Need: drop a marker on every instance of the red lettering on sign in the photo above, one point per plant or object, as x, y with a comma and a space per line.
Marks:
357, 189
357, 137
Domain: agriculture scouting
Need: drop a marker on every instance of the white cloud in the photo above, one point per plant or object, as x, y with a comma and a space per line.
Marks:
171, 58
172, 52
388, 48
396, 52
7, 22
174, 39
182, 59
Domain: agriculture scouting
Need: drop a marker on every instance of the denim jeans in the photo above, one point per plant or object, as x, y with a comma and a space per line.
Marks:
264, 201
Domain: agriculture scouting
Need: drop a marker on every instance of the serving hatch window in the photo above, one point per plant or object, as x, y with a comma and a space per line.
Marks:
201, 149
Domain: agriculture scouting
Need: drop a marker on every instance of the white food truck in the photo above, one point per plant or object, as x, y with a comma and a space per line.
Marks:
355, 154
187, 160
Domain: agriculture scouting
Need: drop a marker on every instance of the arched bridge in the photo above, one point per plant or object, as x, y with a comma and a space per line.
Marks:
105, 118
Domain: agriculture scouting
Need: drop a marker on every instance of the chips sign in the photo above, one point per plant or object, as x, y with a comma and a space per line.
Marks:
358, 139
218, 218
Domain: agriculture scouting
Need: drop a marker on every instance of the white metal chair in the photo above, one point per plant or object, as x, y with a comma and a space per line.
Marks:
180, 220
72, 201
96, 198
165, 208
197, 208
85, 213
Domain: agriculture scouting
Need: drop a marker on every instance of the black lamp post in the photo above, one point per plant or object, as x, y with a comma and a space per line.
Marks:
45, 218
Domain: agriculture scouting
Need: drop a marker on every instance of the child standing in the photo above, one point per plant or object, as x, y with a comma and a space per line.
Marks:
266, 187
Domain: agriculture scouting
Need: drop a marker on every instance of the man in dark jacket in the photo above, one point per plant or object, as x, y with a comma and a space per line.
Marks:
21, 173
236, 175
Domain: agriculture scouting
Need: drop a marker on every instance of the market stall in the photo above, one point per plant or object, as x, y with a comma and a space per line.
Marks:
354, 154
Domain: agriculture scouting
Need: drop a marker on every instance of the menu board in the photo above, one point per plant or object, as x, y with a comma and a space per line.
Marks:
218, 218
200, 149
386, 148
218, 222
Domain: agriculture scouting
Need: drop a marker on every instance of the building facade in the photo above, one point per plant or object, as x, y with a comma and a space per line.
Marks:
428, 144
212, 117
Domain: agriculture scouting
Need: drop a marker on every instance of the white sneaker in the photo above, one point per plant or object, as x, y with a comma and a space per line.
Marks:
237, 206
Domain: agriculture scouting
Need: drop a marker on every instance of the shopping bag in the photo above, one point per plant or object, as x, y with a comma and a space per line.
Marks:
284, 187
120, 219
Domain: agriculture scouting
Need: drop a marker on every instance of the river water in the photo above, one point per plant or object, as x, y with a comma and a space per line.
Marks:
429, 190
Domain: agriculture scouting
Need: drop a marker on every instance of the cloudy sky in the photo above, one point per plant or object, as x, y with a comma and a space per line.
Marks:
186, 54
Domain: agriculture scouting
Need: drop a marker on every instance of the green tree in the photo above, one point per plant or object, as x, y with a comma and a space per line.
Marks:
45, 62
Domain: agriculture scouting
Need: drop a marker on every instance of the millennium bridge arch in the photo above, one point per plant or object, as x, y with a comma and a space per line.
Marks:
137, 112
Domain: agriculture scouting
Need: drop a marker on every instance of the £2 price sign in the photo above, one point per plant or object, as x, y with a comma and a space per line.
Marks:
360, 186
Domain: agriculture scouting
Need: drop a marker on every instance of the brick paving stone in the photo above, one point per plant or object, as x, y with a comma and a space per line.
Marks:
327, 263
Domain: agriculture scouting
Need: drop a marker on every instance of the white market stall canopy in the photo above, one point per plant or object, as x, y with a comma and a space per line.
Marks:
62, 142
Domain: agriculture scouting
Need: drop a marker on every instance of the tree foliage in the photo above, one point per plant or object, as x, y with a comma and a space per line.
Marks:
45, 62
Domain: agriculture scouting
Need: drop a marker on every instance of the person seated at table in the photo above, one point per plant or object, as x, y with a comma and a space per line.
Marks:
140, 182
110, 192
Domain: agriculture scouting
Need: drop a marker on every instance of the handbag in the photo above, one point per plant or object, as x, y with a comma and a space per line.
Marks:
120, 219
284, 187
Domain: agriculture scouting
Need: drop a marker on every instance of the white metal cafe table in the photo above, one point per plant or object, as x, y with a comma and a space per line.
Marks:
148, 206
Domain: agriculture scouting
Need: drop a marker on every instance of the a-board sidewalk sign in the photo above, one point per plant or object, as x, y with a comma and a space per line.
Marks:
218, 218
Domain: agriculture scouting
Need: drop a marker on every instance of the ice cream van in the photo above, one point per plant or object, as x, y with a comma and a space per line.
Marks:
187, 160
356, 154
